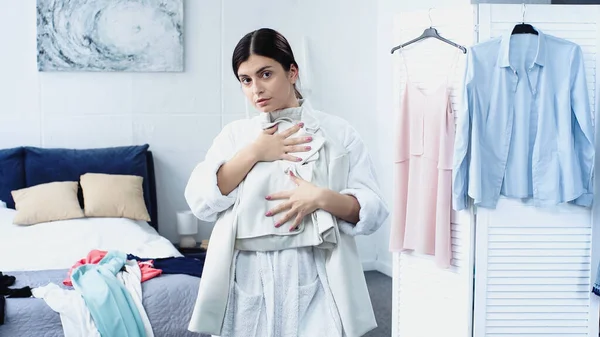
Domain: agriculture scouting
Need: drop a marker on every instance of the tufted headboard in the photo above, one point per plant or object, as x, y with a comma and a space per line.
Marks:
23, 167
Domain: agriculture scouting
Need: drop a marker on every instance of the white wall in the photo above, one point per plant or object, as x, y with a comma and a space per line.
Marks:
178, 114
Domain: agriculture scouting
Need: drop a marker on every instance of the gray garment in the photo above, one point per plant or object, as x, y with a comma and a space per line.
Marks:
257, 232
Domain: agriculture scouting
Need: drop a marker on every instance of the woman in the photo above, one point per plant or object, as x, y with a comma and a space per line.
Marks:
289, 189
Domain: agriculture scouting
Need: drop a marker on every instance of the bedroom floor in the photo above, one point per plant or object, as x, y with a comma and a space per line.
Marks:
380, 289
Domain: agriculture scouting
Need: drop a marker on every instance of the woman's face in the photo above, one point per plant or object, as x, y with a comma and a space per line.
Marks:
266, 84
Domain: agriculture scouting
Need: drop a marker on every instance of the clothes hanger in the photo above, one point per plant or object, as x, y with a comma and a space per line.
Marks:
431, 32
524, 28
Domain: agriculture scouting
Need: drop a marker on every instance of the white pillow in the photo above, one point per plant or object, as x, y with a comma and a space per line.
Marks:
60, 244
2, 204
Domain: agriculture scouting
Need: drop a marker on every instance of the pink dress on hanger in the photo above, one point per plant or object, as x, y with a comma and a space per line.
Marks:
423, 169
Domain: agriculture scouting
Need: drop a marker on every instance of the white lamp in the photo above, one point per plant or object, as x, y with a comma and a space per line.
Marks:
187, 228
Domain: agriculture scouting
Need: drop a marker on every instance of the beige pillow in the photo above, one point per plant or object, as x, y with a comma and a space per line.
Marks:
47, 202
114, 195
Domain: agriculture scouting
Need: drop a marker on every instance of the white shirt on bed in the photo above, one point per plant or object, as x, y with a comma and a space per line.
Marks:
132, 280
74, 315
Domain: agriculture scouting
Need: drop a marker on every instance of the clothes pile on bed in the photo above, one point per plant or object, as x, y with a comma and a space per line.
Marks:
106, 295
5, 282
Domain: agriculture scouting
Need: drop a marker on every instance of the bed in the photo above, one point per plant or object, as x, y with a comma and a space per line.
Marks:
43, 253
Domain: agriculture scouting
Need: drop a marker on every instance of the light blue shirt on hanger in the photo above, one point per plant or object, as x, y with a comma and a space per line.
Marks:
525, 128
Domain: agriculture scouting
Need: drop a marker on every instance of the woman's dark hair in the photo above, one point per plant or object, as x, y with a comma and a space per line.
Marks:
268, 43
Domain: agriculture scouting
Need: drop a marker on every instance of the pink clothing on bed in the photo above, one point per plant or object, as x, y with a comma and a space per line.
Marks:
94, 256
423, 169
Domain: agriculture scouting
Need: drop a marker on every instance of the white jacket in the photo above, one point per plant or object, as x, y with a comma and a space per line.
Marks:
350, 172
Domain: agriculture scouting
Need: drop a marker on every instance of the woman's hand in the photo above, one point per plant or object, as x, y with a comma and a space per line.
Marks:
270, 146
302, 201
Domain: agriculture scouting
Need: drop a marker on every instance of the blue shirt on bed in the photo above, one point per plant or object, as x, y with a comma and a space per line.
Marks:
109, 302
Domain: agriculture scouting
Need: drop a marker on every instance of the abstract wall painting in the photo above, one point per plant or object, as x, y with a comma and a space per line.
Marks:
110, 35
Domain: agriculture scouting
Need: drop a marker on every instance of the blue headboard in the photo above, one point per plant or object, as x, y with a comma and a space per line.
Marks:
153, 202
29, 166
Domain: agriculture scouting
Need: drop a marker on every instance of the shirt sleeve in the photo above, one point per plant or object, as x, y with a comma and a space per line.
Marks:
202, 192
583, 128
363, 186
462, 140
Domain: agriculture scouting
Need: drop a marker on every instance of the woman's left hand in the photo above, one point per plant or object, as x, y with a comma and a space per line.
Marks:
302, 201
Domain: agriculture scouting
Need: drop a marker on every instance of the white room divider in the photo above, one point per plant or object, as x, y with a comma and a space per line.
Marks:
534, 268
516, 270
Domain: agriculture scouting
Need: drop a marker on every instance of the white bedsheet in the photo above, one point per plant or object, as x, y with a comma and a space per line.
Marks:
60, 244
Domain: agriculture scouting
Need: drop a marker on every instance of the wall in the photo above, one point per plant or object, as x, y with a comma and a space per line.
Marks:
179, 114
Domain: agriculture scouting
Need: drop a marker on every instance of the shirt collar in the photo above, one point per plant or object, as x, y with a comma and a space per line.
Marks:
503, 55
311, 122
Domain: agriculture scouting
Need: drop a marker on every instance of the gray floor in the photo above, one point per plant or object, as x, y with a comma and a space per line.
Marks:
380, 289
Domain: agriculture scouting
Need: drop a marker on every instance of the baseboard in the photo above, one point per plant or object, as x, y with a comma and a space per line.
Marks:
369, 265
384, 268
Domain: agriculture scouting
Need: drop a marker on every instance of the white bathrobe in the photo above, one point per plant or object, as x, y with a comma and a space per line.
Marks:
294, 292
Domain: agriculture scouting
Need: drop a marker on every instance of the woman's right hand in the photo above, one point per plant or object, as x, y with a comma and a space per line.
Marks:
270, 146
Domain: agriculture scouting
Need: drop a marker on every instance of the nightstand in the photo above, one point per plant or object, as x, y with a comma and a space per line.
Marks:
197, 252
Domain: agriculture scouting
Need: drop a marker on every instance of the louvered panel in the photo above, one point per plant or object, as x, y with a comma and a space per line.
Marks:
539, 245
541, 260
539, 252
535, 267
538, 316
558, 288
566, 30
523, 310
517, 302
541, 323
538, 331
557, 334
422, 290
516, 237
537, 273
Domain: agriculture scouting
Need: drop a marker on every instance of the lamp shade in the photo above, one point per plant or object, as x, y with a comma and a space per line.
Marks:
187, 223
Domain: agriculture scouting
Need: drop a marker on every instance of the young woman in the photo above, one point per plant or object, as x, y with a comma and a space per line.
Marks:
288, 189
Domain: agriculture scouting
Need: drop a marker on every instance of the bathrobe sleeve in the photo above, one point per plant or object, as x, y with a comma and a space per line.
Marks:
201, 192
363, 186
